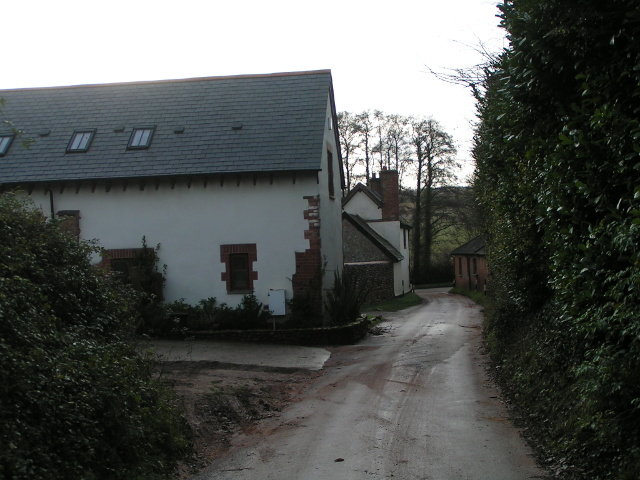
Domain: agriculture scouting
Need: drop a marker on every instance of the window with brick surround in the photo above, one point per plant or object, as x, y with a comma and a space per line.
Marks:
119, 261
70, 222
239, 274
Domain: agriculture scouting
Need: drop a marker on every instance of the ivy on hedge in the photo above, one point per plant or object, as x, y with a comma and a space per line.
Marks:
558, 173
77, 400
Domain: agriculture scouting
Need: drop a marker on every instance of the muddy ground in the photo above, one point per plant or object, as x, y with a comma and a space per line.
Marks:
226, 400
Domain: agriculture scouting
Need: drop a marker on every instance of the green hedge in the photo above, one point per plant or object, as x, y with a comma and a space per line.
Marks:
558, 174
76, 398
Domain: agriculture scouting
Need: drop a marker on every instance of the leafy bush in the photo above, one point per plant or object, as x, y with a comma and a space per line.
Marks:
250, 314
558, 156
302, 313
178, 318
345, 300
77, 400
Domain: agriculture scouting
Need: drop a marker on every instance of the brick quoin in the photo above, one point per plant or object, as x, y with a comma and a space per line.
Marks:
307, 281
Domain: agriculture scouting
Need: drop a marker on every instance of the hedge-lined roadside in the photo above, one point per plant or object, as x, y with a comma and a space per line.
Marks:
558, 175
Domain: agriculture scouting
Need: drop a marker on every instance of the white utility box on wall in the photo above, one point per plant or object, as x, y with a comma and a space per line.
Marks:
277, 302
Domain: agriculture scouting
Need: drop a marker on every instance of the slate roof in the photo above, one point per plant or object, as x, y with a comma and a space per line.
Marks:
472, 247
392, 252
282, 118
360, 187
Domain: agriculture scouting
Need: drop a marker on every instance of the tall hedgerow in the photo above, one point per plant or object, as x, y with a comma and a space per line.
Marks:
558, 174
77, 400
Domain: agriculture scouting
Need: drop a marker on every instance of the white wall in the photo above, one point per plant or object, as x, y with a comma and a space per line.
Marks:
393, 233
190, 224
330, 208
360, 204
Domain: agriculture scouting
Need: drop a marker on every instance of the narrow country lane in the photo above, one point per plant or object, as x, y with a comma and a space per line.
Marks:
414, 403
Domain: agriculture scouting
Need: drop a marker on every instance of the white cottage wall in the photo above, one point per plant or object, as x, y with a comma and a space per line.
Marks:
330, 207
394, 234
190, 224
360, 204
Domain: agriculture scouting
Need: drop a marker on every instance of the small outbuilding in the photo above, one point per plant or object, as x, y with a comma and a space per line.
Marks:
470, 264
375, 238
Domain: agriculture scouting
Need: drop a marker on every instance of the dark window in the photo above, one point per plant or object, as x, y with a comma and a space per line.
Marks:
475, 266
5, 142
238, 260
121, 268
141, 137
332, 191
80, 141
239, 263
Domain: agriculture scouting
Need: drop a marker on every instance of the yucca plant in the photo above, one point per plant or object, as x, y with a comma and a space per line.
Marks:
346, 298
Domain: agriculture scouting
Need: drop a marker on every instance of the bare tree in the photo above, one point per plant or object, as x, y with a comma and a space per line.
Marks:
365, 129
417, 140
473, 77
397, 133
435, 163
380, 147
349, 143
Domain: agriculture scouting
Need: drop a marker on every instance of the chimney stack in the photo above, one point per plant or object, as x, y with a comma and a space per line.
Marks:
390, 191
375, 185
387, 185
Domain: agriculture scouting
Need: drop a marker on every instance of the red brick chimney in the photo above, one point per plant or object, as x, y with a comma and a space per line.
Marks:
390, 194
375, 185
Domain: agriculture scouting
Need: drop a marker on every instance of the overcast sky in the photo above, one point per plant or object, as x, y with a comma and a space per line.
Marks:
378, 51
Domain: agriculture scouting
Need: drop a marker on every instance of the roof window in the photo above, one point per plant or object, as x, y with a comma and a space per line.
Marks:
80, 140
5, 142
141, 137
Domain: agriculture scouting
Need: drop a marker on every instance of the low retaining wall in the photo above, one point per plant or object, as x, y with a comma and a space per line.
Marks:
342, 335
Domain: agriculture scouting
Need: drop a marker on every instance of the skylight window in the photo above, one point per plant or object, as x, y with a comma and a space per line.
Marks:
5, 142
80, 140
141, 137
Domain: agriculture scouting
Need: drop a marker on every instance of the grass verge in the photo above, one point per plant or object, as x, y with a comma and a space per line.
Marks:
479, 297
399, 303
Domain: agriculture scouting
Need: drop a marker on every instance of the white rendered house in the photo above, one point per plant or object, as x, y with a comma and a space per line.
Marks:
238, 179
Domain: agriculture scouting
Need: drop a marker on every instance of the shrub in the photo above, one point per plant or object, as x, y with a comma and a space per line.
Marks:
345, 300
250, 314
302, 313
77, 400
177, 318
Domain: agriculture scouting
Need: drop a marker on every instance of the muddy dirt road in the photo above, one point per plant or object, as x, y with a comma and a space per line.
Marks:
414, 403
